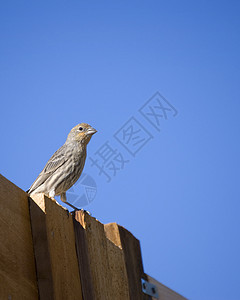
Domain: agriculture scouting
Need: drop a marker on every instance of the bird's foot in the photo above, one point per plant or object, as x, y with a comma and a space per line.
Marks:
86, 211
72, 206
75, 208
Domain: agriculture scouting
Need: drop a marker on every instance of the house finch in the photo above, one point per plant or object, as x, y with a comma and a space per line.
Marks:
65, 166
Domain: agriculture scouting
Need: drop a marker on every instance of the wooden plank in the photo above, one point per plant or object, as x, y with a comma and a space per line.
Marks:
132, 257
83, 259
17, 265
117, 263
54, 239
164, 292
98, 256
41, 249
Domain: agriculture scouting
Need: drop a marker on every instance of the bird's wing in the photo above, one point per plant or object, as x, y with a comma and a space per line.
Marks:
56, 161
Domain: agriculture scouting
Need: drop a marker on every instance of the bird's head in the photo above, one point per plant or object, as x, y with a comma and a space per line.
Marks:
81, 133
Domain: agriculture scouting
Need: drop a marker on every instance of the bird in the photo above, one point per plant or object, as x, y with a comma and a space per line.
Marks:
65, 166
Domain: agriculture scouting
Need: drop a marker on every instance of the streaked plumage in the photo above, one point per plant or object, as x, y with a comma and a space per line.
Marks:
65, 166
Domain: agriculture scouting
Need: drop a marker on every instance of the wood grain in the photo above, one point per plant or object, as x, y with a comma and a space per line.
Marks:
54, 245
132, 258
98, 256
117, 263
83, 258
17, 265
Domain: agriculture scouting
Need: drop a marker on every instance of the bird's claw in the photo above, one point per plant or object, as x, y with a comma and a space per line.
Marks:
75, 208
86, 211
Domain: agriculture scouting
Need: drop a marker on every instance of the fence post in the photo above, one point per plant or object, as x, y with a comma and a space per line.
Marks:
132, 257
17, 266
83, 258
55, 251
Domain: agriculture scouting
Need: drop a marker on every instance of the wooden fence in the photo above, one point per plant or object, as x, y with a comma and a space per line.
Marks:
48, 253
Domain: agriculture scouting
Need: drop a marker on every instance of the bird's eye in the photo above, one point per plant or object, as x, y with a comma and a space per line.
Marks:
80, 128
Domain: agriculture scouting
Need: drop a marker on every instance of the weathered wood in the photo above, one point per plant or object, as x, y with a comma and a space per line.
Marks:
41, 249
132, 257
164, 292
98, 256
117, 263
17, 265
51, 255
54, 246
83, 259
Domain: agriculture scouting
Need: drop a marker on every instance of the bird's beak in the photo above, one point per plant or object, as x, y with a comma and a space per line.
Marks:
91, 131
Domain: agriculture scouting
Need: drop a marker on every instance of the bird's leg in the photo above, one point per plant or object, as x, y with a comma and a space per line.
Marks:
74, 207
52, 194
63, 198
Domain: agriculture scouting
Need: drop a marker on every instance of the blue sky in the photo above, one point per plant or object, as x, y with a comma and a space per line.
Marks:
66, 62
